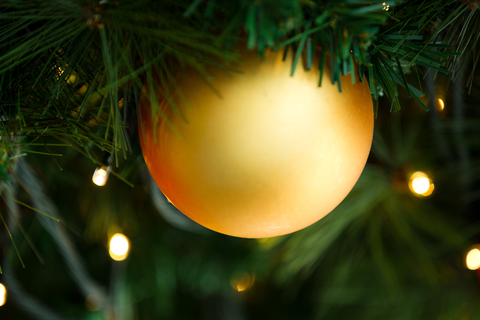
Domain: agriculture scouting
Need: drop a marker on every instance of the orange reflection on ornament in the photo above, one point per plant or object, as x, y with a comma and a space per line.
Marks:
242, 284
420, 184
472, 260
3, 294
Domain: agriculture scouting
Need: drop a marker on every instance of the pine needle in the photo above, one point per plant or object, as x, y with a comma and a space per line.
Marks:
34, 248
29, 207
13, 242
43, 153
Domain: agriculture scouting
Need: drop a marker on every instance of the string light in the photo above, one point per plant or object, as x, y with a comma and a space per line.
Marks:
100, 176
420, 184
385, 6
3, 294
441, 105
472, 260
119, 246
243, 283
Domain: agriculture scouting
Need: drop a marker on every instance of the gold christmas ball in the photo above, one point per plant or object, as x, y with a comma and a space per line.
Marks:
266, 154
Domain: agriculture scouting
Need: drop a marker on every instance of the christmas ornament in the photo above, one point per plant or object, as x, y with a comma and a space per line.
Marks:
265, 153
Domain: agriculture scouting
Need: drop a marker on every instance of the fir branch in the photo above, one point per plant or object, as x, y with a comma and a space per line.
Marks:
63, 63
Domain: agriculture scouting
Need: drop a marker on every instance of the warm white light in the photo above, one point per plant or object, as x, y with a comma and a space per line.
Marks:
3, 294
421, 184
385, 6
441, 105
473, 259
100, 176
119, 247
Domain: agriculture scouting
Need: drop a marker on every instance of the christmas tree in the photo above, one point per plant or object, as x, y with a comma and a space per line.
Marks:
74, 77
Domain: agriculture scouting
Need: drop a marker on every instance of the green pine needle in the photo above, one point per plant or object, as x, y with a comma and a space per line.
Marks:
29, 207
13, 242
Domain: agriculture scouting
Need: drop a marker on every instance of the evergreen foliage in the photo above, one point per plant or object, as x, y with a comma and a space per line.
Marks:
68, 67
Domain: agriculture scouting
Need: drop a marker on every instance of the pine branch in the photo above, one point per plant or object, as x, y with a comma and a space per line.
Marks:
65, 65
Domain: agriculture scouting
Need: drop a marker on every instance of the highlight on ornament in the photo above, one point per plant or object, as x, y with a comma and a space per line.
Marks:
100, 176
472, 260
420, 184
243, 283
3, 294
119, 247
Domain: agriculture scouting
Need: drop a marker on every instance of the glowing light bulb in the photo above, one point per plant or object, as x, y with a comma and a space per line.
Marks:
242, 284
385, 6
441, 105
472, 259
3, 294
100, 176
420, 184
119, 247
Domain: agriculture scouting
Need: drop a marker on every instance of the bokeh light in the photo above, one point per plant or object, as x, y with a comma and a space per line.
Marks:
420, 184
119, 246
441, 105
82, 89
93, 303
3, 294
243, 283
100, 176
72, 79
472, 259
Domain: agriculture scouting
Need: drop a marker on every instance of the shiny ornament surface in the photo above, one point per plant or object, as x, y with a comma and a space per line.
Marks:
272, 155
